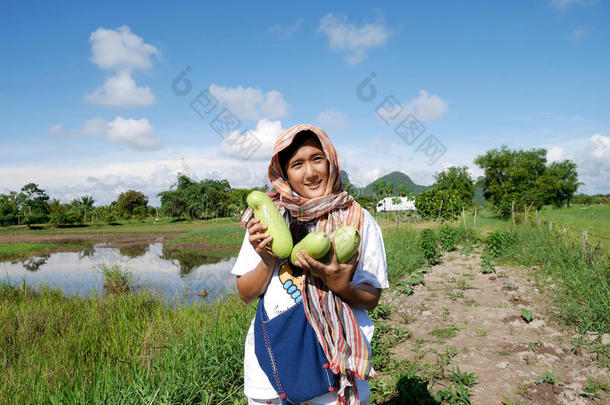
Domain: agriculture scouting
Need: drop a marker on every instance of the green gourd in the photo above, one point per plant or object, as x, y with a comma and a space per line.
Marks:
316, 244
268, 214
347, 240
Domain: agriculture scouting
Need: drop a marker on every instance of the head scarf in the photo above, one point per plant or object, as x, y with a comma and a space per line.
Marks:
331, 318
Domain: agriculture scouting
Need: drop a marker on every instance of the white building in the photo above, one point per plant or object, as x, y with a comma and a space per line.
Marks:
388, 205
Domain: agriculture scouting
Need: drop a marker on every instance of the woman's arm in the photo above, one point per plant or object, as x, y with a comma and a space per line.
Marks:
254, 283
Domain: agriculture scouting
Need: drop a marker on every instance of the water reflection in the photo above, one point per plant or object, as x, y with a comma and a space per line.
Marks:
176, 276
188, 259
134, 250
34, 263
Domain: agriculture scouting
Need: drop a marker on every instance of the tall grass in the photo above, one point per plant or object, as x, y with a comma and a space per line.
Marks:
119, 349
219, 235
403, 255
582, 281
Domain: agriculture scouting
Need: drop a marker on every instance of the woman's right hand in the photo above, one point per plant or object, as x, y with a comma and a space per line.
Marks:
260, 241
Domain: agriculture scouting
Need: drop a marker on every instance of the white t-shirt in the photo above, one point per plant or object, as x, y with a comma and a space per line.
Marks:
284, 291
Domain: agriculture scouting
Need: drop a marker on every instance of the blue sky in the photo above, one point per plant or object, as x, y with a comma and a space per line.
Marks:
87, 106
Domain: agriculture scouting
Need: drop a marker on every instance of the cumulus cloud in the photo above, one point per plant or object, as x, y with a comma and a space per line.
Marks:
251, 103
554, 154
256, 144
123, 52
593, 164
94, 126
427, 107
286, 31
351, 39
332, 120
138, 134
122, 91
120, 48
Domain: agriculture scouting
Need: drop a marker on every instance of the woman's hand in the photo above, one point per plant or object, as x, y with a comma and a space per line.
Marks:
336, 276
261, 241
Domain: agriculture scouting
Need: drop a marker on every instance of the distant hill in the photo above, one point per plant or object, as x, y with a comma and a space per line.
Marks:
395, 178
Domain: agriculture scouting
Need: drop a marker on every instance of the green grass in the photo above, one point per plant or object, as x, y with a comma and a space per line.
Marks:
582, 282
230, 234
21, 250
593, 218
165, 225
128, 348
403, 255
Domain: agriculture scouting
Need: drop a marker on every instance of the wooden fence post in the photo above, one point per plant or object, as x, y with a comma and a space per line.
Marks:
512, 211
474, 224
585, 241
396, 221
550, 225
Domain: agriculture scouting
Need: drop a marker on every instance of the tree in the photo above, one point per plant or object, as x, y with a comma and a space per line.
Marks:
204, 199
402, 190
379, 188
9, 208
86, 204
512, 177
129, 202
560, 182
438, 203
33, 205
456, 180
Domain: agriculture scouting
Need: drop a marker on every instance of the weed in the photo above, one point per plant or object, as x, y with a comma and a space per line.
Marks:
381, 311
507, 401
527, 315
481, 331
548, 378
593, 386
447, 332
116, 279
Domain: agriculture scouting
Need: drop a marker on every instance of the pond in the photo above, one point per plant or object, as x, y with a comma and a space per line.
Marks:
179, 275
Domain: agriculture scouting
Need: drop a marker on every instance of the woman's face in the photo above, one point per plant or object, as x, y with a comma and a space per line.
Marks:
307, 170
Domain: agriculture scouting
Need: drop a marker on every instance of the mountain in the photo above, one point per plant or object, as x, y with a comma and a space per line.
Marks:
395, 178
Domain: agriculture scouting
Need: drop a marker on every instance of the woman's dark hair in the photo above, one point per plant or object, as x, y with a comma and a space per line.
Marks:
300, 138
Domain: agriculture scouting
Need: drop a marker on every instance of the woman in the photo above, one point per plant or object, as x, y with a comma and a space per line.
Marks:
304, 170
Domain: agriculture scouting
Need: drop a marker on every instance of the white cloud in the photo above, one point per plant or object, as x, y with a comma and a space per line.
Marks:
94, 126
354, 40
286, 31
138, 134
251, 103
579, 34
120, 49
58, 130
593, 165
554, 154
427, 107
256, 144
121, 90
332, 120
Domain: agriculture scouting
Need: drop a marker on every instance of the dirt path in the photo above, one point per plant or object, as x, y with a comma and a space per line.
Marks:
473, 320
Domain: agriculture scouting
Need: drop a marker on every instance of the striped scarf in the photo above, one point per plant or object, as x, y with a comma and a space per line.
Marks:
331, 318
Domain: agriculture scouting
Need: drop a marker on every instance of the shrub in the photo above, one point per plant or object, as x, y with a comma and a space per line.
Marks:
498, 241
427, 244
447, 237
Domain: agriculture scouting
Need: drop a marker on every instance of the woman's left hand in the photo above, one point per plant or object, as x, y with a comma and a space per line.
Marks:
335, 275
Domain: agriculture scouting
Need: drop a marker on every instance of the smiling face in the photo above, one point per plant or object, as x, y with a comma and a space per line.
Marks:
307, 169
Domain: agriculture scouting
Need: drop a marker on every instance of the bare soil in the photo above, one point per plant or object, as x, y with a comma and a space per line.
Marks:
493, 341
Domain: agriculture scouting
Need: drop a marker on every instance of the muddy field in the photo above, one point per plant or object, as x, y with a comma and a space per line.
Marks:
474, 321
